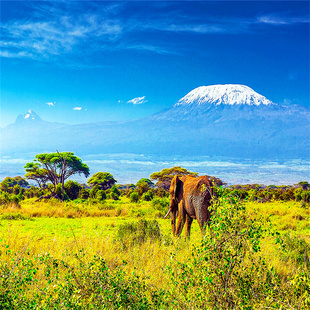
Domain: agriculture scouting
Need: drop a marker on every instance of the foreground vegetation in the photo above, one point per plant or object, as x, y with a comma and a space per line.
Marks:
111, 254
101, 245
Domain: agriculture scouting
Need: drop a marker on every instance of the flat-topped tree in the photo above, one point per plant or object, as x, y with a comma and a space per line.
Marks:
36, 173
165, 176
55, 168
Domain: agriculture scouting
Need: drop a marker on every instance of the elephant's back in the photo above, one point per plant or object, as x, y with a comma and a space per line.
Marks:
198, 190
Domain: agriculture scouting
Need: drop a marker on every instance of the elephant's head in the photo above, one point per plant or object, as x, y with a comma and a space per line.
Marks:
176, 195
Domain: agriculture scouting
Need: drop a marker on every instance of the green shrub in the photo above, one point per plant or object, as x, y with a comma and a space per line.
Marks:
161, 204
113, 196
101, 195
129, 234
296, 249
115, 190
84, 193
6, 198
142, 187
93, 191
60, 192
148, 196
89, 285
134, 197
226, 270
15, 216
113, 193
72, 189
160, 192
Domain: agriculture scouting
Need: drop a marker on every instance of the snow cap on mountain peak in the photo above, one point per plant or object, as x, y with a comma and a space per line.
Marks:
29, 116
229, 94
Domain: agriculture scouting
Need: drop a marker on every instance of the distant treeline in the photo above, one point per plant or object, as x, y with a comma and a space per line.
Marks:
102, 186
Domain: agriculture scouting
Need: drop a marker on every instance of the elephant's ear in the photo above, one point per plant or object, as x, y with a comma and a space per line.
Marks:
177, 187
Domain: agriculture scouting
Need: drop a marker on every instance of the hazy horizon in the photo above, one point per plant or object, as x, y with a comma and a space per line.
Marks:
129, 168
81, 62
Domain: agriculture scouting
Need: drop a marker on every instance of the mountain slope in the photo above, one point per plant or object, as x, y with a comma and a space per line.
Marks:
220, 120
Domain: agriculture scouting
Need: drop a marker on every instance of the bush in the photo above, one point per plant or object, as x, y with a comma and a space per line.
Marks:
72, 189
226, 270
160, 192
129, 234
6, 198
114, 193
113, 196
101, 195
84, 193
134, 197
60, 193
90, 285
148, 196
161, 204
296, 249
93, 191
9, 183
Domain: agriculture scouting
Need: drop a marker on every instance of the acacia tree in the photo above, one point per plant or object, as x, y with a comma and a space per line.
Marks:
165, 176
36, 173
55, 168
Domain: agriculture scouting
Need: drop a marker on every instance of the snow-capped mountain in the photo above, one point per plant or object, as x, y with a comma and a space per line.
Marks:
30, 116
217, 102
230, 94
219, 120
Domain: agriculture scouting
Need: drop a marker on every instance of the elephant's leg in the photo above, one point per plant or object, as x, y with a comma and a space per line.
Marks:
173, 220
189, 222
181, 220
202, 221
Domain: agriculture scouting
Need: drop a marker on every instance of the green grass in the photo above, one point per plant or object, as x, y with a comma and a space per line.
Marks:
65, 254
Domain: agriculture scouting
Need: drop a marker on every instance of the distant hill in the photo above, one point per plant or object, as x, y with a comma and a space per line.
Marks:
221, 120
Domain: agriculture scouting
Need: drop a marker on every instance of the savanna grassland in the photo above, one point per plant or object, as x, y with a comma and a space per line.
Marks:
122, 255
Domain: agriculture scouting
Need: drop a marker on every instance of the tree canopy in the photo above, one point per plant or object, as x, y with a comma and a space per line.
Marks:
36, 173
9, 182
165, 176
104, 180
303, 184
145, 180
55, 168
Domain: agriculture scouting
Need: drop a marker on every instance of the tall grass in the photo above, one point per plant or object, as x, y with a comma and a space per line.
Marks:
78, 208
133, 262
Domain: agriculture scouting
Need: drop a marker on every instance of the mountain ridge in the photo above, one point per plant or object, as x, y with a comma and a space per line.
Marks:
248, 130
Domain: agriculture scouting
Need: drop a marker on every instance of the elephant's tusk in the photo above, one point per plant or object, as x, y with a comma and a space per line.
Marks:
167, 213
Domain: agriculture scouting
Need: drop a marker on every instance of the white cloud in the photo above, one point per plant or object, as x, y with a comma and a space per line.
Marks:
137, 100
152, 48
282, 20
50, 103
56, 34
77, 108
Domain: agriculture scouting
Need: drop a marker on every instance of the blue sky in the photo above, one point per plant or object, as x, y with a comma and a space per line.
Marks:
77, 62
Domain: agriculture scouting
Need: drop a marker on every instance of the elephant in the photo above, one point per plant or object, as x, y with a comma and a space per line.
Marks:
190, 198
